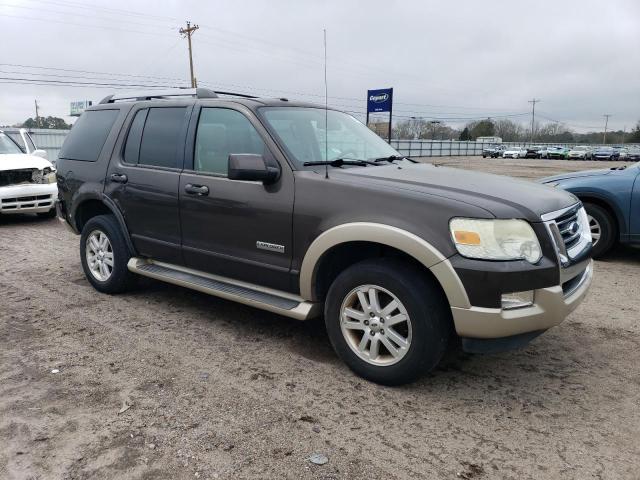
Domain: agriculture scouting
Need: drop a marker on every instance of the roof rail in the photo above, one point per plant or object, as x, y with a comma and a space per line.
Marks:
233, 94
174, 92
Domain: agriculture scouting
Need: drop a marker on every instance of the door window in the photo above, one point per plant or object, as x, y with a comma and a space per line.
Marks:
222, 132
161, 136
132, 147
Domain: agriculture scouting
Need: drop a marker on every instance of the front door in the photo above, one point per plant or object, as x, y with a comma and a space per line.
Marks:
144, 176
232, 228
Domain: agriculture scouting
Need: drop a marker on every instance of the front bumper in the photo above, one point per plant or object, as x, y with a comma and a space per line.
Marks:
28, 198
551, 306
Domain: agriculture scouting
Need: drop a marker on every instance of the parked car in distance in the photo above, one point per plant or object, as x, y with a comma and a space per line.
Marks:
27, 181
623, 154
633, 154
558, 153
543, 152
606, 153
611, 198
493, 151
514, 152
235, 197
532, 151
580, 153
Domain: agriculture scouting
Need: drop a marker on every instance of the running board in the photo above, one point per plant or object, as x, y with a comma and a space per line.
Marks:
268, 299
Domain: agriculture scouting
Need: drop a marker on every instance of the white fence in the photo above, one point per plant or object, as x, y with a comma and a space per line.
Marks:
454, 148
51, 141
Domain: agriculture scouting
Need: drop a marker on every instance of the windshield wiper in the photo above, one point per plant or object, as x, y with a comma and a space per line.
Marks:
392, 158
338, 162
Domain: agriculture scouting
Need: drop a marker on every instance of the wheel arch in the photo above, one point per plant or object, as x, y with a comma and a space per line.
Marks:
361, 240
609, 206
92, 206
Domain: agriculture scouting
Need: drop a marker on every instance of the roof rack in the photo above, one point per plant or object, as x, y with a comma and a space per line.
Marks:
175, 92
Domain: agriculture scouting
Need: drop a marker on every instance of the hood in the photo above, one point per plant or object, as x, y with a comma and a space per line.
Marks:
16, 161
504, 197
569, 175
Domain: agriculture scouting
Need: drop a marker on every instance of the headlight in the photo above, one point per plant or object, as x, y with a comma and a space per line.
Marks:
495, 239
44, 176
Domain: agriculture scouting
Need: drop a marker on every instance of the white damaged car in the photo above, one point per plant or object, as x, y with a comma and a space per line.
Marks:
27, 181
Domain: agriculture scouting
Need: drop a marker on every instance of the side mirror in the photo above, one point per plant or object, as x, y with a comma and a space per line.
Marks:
251, 167
40, 153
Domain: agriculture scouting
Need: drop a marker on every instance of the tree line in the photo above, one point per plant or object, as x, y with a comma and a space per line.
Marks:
509, 131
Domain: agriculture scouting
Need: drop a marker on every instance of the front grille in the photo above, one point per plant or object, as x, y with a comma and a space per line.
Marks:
15, 177
569, 228
21, 203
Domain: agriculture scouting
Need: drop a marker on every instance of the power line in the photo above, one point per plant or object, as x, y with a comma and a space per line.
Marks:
75, 14
85, 25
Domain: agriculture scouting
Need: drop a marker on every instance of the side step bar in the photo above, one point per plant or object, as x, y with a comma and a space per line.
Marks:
275, 301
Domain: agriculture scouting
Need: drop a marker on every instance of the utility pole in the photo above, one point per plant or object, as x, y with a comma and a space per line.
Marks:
606, 122
37, 115
533, 114
187, 32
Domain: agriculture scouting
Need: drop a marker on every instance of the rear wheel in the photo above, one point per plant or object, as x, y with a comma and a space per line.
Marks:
104, 255
603, 229
387, 320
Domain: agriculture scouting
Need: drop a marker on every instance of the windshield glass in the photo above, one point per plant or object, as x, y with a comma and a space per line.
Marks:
302, 133
579, 149
7, 145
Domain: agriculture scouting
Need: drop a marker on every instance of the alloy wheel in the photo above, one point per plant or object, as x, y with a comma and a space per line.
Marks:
99, 255
596, 230
375, 325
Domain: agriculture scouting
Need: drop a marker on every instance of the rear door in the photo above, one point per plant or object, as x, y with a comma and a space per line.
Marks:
144, 176
238, 229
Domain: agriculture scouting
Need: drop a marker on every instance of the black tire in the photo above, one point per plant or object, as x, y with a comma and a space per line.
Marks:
608, 229
49, 214
120, 279
431, 323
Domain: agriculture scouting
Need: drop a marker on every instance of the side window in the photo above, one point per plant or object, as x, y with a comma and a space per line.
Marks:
132, 147
222, 132
161, 137
87, 137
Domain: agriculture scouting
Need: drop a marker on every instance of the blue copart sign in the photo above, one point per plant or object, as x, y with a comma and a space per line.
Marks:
379, 100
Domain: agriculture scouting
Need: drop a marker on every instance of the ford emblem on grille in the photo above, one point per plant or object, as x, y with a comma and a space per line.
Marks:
574, 228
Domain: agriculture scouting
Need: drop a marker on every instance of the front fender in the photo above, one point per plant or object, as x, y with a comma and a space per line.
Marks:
402, 240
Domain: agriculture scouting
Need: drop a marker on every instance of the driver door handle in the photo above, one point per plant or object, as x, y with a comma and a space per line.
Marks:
119, 178
201, 190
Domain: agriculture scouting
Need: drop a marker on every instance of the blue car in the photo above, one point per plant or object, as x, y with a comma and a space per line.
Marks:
612, 200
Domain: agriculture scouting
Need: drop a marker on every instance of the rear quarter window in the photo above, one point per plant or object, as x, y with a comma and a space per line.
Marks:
87, 137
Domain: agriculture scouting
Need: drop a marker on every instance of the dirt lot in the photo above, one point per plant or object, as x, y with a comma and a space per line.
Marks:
219, 390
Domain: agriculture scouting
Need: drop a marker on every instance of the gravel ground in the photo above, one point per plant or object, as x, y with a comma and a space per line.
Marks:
167, 383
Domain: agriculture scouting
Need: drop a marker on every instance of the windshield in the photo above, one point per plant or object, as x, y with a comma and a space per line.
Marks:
302, 133
579, 149
7, 145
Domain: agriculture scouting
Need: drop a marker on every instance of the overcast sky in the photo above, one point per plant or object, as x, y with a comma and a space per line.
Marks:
451, 60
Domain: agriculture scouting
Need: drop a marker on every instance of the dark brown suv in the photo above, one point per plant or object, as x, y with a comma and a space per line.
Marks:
304, 211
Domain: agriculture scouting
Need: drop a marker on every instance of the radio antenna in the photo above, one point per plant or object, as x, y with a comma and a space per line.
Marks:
326, 110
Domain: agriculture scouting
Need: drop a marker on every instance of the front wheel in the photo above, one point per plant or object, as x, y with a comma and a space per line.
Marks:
387, 320
104, 255
603, 229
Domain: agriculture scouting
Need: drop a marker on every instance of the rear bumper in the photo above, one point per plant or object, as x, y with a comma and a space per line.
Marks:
551, 306
28, 198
